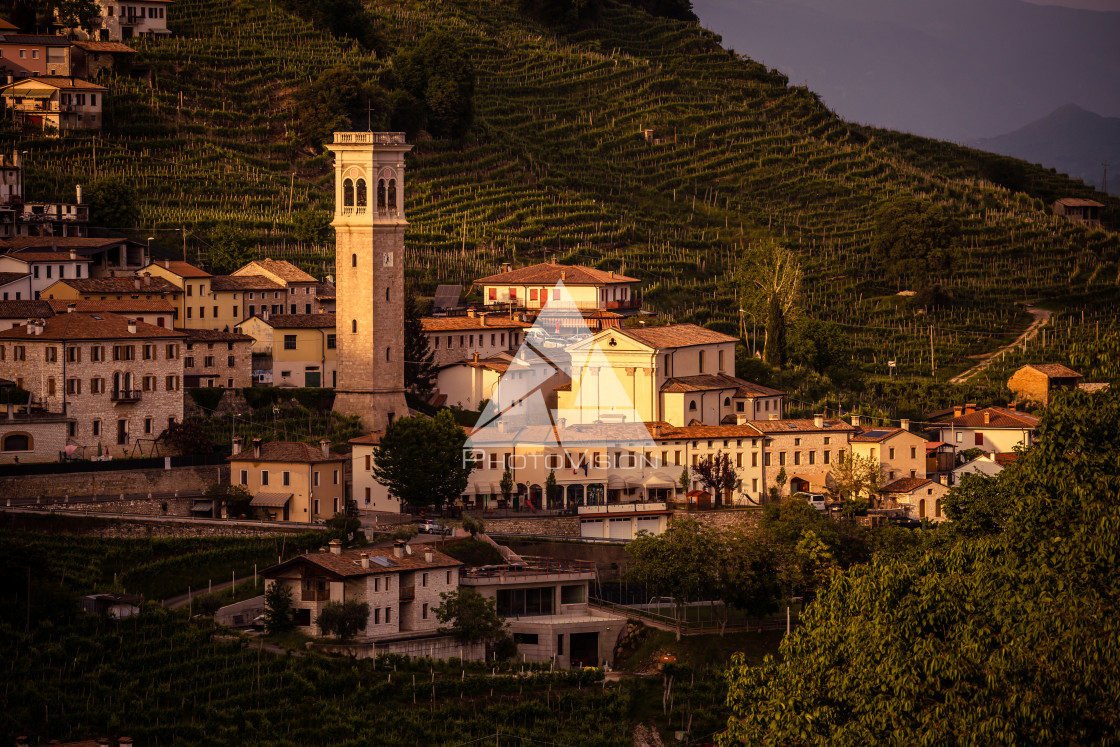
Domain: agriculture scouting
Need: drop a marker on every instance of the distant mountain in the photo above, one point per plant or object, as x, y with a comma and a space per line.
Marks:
951, 69
1069, 139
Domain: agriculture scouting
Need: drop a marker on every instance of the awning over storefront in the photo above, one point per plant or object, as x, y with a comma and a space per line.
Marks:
270, 500
659, 480
202, 507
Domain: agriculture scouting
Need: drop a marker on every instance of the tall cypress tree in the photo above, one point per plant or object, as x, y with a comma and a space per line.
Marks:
419, 364
775, 345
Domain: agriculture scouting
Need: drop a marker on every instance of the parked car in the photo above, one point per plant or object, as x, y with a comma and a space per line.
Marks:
816, 500
431, 526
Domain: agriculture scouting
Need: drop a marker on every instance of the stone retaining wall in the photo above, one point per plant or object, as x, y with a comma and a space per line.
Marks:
568, 526
114, 482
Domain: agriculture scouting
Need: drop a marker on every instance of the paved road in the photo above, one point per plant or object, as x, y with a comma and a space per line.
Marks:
1041, 318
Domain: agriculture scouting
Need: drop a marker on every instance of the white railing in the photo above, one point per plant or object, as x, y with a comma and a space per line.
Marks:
623, 508
369, 138
353, 211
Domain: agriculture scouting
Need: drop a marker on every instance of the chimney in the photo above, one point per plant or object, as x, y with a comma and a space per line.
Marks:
987, 418
71, 308
257, 448
131, 326
30, 326
905, 424
482, 319
969, 407
471, 313
818, 421
1012, 407
957, 411
325, 447
475, 358
78, 192
855, 421
741, 418
167, 264
147, 279
428, 556
365, 560
73, 254
40, 325
136, 283
236, 445
398, 549
563, 275
126, 742
336, 546
506, 267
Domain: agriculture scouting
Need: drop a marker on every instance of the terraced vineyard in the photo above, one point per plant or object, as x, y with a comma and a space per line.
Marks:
557, 166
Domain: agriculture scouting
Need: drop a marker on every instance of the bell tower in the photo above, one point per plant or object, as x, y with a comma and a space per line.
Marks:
369, 227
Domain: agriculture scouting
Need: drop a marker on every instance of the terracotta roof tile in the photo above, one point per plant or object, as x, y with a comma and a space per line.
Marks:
122, 285
874, 435
280, 268
215, 335
550, 273
1006, 457
79, 326
244, 283
62, 82
11, 277
286, 451
325, 290
299, 321
370, 439
709, 382
998, 417
468, 323
1078, 202
180, 268
25, 309
348, 562
1054, 370
31, 256
676, 336
906, 485
124, 306
800, 424
104, 46
54, 243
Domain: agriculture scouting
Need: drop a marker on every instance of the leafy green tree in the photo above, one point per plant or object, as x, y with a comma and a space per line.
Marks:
469, 616
420, 460
349, 19
75, 14
1008, 635
821, 346
684, 480
338, 100
915, 240
976, 506
856, 475
438, 73
230, 248
551, 488
473, 525
506, 485
344, 619
769, 289
113, 203
419, 359
311, 226
747, 577
235, 498
716, 473
278, 608
680, 563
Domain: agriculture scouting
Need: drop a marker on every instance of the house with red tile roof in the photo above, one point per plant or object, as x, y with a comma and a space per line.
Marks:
991, 429
534, 286
291, 481
919, 496
1037, 382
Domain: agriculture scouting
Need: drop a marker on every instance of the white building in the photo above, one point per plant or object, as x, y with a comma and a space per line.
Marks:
124, 20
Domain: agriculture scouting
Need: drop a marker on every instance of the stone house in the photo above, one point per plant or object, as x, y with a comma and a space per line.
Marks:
807, 449
401, 587
55, 103
119, 379
90, 58
302, 289
291, 481
529, 288
239, 297
294, 350
992, 429
456, 339
898, 452
28, 436
921, 497
124, 20
115, 289
216, 358
1079, 210
1037, 382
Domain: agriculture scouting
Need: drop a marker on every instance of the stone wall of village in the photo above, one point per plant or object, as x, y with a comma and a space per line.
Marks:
114, 482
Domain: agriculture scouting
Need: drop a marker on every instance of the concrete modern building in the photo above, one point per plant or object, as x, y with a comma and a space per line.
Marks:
369, 223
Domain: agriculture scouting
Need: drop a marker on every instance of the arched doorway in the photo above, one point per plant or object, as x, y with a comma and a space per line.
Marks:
536, 494
520, 496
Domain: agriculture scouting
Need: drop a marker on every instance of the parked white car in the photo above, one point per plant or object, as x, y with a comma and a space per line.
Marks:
431, 526
816, 500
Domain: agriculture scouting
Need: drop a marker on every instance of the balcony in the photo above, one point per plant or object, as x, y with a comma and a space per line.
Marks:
408, 593
369, 138
125, 396
630, 303
316, 595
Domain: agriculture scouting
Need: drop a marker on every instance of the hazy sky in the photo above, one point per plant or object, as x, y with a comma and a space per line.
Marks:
1084, 4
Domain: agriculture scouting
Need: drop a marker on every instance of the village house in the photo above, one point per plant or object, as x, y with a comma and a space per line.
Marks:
55, 103
402, 587
680, 374
369, 494
33, 55
17, 312
291, 481
197, 309
110, 258
88, 59
898, 452
35, 220
44, 268
992, 429
457, 339
302, 289
121, 380
1079, 210
15, 286
326, 296
293, 350
120, 21
986, 465
470, 383
919, 496
29, 435
806, 449
238, 297
529, 288
215, 358
1037, 382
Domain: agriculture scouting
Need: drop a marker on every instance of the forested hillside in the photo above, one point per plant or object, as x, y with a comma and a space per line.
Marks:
554, 164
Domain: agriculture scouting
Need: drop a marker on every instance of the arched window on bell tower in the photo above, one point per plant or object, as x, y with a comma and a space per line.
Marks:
361, 193
381, 195
393, 196
348, 193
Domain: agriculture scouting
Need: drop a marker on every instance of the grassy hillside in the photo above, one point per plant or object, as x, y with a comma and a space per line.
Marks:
555, 166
